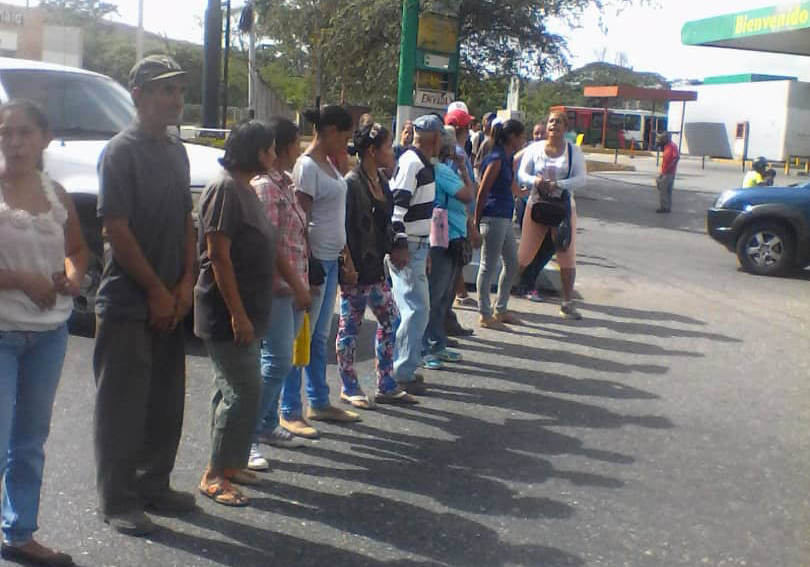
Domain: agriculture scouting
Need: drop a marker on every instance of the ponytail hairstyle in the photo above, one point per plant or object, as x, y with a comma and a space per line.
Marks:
285, 131
329, 115
368, 136
501, 131
243, 145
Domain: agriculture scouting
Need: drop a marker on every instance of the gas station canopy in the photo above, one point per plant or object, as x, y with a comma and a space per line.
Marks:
776, 29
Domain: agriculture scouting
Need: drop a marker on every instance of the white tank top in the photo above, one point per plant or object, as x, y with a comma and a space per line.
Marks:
34, 244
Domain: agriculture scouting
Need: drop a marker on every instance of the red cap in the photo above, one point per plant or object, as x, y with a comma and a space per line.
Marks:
457, 117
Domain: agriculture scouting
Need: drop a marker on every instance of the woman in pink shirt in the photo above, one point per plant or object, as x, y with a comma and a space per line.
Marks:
276, 192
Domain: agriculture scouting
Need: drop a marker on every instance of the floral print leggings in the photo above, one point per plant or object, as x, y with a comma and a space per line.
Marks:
353, 302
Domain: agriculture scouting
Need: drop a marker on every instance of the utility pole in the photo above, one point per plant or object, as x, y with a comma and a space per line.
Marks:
139, 36
211, 66
227, 56
247, 24
407, 59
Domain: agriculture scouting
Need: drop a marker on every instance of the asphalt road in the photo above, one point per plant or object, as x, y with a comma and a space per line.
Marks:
669, 428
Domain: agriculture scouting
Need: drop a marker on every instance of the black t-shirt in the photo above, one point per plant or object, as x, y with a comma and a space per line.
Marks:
235, 211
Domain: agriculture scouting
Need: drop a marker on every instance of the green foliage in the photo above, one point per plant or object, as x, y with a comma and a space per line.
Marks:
296, 90
482, 95
77, 11
539, 96
600, 73
109, 48
351, 47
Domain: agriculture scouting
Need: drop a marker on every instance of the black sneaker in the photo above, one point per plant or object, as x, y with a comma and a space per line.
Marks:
459, 332
135, 523
170, 502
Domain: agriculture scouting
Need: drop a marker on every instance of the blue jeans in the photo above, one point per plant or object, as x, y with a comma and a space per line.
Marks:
411, 292
322, 310
276, 356
30, 367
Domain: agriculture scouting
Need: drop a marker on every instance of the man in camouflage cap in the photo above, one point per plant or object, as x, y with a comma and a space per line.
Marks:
145, 293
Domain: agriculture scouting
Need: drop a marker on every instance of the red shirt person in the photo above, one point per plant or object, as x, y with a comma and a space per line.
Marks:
669, 166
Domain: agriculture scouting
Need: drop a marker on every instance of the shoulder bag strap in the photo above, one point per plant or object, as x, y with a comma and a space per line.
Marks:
570, 160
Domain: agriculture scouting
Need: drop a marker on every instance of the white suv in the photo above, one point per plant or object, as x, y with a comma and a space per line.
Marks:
85, 110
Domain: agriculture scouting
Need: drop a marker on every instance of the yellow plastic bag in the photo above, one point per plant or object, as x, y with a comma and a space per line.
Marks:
301, 344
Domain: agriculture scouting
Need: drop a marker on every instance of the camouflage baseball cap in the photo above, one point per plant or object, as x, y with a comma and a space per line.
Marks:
153, 68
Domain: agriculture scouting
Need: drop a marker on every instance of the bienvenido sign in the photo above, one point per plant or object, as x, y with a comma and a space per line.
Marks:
785, 19
432, 99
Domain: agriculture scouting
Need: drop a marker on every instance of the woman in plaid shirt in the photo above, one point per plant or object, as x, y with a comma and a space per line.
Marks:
276, 192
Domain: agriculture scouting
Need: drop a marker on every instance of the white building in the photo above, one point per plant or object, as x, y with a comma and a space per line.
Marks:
771, 115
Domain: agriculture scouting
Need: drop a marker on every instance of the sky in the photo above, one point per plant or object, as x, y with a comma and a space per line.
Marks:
649, 36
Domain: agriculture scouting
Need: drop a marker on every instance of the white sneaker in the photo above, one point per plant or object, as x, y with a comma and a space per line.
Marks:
256, 461
282, 438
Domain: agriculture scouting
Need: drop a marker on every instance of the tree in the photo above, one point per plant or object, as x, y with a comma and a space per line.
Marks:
622, 60
352, 46
77, 11
540, 96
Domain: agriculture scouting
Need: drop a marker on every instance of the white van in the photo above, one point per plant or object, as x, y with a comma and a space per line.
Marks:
85, 110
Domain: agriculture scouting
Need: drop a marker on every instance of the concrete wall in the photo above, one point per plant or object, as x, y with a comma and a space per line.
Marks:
797, 137
62, 45
764, 105
24, 34
270, 103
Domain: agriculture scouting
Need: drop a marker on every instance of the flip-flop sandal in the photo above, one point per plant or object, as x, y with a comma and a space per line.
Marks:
224, 493
397, 397
359, 401
242, 476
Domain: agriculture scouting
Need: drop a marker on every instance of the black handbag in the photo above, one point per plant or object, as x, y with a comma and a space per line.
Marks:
461, 251
551, 211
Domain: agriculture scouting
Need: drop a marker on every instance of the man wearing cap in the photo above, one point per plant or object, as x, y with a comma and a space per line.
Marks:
414, 190
145, 293
460, 119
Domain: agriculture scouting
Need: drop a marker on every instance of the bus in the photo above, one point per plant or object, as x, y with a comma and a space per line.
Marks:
624, 128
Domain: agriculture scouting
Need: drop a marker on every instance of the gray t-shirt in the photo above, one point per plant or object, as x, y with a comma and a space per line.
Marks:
147, 182
235, 211
327, 220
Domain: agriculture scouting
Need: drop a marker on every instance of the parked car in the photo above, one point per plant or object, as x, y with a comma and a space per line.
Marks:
85, 110
767, 227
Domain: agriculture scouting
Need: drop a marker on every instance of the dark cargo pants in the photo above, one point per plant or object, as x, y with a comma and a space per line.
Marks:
140, 397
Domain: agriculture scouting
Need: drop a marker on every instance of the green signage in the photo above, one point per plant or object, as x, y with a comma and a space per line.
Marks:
774, 19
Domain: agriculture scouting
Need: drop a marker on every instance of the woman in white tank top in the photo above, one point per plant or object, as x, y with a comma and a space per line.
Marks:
43, 258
